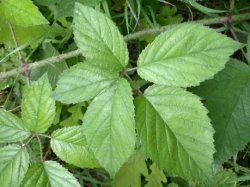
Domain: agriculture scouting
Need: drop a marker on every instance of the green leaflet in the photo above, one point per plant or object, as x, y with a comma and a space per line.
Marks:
185, 56
224, 178
49, 173
156, 177
175, 132
227, 97
14, 163
130, 173
69, 144
22, 13
98, 38
38, 108
27, 22
12, 129
75, 117
109, 126
82, 82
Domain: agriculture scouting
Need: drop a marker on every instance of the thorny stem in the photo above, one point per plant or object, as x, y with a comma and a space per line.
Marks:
23, 62
54, 59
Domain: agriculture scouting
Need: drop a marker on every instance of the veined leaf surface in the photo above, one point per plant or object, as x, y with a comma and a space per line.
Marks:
14, 163
49, 173
12, 129
227, 97
185, 56
98, 38
69, 144
176, 132
38, 108
109, 126
82, 82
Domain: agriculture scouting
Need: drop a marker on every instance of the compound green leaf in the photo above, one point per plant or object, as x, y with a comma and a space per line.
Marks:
175, 132
49, 173
12, 129
38, 108
109, 126
227, 97
23, 13
156, 177
130, 173
82, 82
185, 56
98, 38
69, 144
14, 163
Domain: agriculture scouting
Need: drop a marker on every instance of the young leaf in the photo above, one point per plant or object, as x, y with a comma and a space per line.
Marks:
109, 126
49, 173
82, 82
76, 116
156, 177
38, 108
98, 38
175, 132
130, 173
14, 163
228, 100
185, 56
69, 144
12, 129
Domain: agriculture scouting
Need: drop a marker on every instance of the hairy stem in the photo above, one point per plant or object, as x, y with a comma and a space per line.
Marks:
54, 59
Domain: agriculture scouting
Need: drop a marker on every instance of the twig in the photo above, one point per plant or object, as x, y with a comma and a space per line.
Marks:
54, 59
23, 62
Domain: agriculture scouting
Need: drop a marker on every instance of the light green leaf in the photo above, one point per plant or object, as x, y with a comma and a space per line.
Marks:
98, 38
38, 108
14, 163
22, 13
75, 117
24, 35
69, 144
49, 173
185, 56
156, 177
27, 22
130, 173
227, 97
224, 178
12, 129
109, 126
175, 132
82, 82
